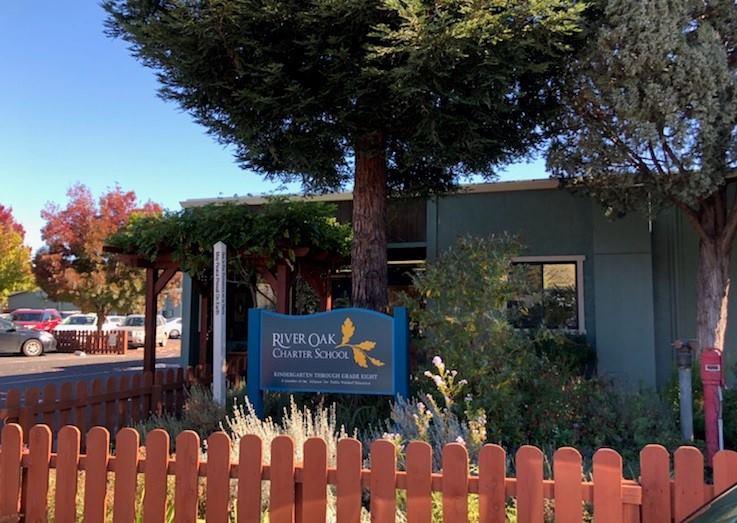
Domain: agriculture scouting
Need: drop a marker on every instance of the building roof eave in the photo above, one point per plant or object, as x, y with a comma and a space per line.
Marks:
522, 185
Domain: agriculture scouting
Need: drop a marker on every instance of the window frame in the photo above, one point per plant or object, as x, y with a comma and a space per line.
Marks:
578, 260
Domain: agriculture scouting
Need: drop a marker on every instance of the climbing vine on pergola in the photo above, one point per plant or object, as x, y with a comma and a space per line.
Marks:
276, 241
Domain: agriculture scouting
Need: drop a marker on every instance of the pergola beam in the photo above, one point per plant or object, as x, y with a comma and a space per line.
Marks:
156, 280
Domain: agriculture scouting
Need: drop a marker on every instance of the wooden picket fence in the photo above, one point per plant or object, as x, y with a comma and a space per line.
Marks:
114, 403
298, 491
92, 342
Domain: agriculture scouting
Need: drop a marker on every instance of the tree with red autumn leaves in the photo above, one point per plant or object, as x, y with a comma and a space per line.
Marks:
72, 265
15, 257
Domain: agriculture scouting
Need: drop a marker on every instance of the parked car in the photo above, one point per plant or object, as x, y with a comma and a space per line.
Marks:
174, 327
66, 314
722, 509
38, 319
134, 324
88, 322
114, 319
29, 342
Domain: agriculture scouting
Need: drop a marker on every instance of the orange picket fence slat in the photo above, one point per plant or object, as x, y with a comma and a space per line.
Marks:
218, 477
95, 480
67, 463
314, 481
655, 481
155, 475
10, 465
281, 493
39, 460
455, 482
689, 481
186, 489
607, 486
383, 481
530, 498
725, 470
126, 474
568, 474
492, 490
250, 466
419, 482
348, 484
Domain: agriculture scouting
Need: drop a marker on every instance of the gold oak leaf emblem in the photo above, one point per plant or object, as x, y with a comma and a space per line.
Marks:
347, 330
359, 357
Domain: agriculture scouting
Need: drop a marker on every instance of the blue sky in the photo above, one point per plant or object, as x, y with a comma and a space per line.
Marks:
76, 107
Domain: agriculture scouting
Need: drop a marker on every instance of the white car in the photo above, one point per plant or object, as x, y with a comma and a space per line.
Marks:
174, 327
85, 322
115, 320
134, 324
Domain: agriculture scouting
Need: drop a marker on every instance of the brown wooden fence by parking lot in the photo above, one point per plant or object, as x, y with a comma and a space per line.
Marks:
116, 402
132, 484
92, 342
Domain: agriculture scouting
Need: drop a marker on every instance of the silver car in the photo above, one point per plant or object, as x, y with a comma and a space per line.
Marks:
28, 342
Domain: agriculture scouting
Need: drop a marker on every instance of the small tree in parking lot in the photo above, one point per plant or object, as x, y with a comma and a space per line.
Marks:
72, 266
15, 257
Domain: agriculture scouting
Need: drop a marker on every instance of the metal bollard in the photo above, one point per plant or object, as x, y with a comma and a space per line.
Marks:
684, 361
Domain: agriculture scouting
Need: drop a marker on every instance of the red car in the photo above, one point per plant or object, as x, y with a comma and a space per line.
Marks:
39, 319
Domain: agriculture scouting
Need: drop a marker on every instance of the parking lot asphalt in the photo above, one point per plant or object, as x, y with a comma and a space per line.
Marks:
20, 372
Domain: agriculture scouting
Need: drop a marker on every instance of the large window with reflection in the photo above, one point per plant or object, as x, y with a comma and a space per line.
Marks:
554, 295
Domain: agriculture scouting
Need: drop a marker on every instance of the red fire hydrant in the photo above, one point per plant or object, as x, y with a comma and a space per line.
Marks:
712, 377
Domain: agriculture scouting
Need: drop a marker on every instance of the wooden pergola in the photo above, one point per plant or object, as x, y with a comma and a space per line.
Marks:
314, 268
159, 272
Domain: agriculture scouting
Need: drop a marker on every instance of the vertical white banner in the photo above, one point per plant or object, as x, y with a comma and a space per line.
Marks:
218, 322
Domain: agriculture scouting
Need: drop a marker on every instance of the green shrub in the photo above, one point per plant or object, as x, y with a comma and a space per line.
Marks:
568, 351
534, 387
201, 413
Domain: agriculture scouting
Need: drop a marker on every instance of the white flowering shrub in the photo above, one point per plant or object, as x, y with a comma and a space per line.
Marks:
299, 424
449, 419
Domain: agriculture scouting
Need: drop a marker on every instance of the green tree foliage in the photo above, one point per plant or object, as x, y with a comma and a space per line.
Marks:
270, 232
406, 95
15, 257
72, 265
650, 121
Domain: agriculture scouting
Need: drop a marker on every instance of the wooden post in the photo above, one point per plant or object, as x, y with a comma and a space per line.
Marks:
282, 288
204, 316
149, 324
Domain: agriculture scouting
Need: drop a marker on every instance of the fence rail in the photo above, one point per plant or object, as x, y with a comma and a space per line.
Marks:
298, 491
92, 342
114, 403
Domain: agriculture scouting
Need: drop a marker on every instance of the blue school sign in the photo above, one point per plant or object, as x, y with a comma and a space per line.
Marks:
346, 351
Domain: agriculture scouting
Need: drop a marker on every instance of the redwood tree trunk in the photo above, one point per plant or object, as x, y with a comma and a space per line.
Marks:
712, 291
368, 255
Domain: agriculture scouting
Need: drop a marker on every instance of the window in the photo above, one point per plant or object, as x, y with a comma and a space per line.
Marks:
133, 321
555, 299
28, 316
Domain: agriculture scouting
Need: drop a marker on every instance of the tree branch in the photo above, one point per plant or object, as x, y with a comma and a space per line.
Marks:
693, 217
730, 228
720, 212
669, 152
655, 160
